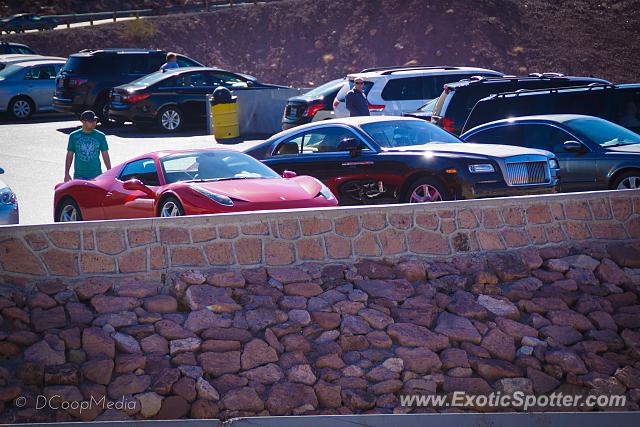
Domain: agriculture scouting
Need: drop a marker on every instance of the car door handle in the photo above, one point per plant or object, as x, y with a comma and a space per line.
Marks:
356, 163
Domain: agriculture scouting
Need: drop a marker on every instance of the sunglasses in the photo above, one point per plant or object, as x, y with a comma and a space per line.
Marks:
359, 83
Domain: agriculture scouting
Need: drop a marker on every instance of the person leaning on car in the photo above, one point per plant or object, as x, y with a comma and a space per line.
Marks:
85, 145
356, 100
172, 62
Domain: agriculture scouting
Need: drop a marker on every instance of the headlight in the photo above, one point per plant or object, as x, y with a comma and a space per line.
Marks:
7, 197
218, 198
325, 192
553, 164
481, 168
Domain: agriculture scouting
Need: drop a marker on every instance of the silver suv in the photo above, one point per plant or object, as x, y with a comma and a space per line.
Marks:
392, 91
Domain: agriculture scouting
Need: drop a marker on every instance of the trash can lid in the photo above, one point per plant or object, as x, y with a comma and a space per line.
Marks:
222, 94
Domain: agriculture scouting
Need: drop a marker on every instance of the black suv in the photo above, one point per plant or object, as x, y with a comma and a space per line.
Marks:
617, 103
458, 99
88, 76
9, 48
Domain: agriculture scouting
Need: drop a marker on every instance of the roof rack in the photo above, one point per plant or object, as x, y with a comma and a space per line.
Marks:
112, 49
407, 67
519, 92
546, 75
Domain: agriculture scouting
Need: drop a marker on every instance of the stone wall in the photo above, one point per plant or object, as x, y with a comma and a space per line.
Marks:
154, 246
211, 329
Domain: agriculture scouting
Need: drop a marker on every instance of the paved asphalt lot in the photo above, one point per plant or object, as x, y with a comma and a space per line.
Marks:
32, 154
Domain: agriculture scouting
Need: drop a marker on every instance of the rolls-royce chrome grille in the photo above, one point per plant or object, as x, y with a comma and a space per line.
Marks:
528, 173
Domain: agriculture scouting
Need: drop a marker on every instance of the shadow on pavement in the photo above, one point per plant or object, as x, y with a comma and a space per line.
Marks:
5, 119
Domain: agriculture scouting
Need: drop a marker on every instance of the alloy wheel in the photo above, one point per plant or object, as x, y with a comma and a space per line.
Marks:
629, 183
69, 214
21, 109
170, 120
170, 209
425, 193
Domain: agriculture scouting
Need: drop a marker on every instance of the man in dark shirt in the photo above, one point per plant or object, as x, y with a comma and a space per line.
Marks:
356, 99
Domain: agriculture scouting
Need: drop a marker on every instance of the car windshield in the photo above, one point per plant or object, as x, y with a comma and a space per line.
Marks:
428, 107
404, 133
327, 87
150, 79
213, 166
603, 132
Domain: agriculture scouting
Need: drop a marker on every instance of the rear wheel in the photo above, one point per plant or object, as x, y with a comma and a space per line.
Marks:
68, 211
102, 108
21, 108
170, 119
426, 190
627, 181
171, 207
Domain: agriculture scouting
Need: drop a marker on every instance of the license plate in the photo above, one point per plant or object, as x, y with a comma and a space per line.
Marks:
60, 83
116, 98
293, 111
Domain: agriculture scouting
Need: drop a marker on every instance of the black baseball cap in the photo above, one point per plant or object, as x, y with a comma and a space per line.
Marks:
88, 115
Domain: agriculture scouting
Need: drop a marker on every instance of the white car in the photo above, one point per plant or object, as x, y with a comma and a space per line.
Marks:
392, 91
6, 60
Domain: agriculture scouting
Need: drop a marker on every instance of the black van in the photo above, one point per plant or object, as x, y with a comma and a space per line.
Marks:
458, 99
617, 103
88, 76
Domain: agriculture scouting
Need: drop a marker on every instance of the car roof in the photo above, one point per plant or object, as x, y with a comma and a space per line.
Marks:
419, 71
349, 121
555, 118
515, 79
29, 58
39, 62
164, 153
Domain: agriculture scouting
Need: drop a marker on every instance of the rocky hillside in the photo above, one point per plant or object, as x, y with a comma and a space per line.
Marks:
304, 42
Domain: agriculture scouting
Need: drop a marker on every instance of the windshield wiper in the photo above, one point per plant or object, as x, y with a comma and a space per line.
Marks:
223, 179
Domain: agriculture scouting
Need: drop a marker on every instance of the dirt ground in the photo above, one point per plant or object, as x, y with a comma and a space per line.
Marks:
307, 42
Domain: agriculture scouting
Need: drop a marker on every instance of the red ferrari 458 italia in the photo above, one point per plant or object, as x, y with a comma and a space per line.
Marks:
186, 182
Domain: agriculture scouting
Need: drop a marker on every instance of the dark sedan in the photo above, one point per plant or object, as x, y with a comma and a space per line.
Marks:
368, 160
312, 106
594, 154
27, 21
172, 98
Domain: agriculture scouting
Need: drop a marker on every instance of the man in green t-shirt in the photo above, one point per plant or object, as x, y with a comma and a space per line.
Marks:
85, 145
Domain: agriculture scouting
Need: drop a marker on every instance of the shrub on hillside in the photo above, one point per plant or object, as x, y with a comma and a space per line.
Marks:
138, 30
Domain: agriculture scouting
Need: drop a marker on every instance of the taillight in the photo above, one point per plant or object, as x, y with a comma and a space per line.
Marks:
136, 97
313, 109
73, 82
448, 124
376, 108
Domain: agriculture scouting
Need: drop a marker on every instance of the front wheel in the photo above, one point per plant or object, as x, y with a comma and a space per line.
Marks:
627, 181
170, 119
21, 108
425, 190
171, 207
68, 211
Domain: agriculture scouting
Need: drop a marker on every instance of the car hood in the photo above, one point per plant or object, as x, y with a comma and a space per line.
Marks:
493, 150
626, 149
265, 190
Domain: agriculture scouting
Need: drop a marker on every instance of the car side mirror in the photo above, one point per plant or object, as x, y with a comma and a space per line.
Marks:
288, 174
1, 171
573, 147
137, 185
352, 145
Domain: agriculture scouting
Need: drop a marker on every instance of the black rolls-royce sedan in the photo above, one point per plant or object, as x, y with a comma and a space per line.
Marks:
368, 160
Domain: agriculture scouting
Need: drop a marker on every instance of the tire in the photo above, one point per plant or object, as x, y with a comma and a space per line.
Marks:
21, 108
170, 119
68, 211
170, 207
102, 111
628, 180
425, 190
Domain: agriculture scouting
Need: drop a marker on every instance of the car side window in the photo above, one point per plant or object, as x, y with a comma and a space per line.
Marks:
217, 79
289, 146
404, 89
191, 80
137, 65
186, 62
629, 110
545, 137
326, 140
41, 72
143, 169
504, 135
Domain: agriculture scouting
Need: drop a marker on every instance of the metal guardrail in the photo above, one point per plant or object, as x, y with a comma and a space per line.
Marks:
201, 6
